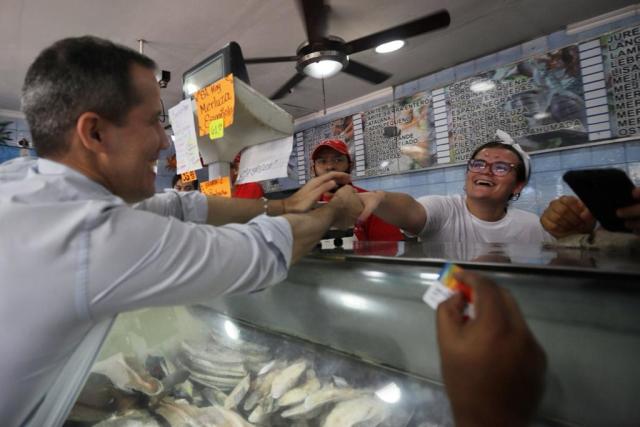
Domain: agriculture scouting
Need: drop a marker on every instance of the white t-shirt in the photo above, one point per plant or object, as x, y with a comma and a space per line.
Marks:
449, 220
72, 254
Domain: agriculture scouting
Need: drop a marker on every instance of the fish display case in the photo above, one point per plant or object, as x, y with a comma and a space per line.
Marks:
346, 340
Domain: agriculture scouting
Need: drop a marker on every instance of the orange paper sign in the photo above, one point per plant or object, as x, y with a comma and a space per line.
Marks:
216, 101
217, 187
188, 176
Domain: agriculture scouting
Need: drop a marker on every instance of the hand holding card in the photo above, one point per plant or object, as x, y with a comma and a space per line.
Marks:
492, 366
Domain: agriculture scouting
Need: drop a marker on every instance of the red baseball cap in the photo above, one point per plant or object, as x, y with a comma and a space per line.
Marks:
334, 144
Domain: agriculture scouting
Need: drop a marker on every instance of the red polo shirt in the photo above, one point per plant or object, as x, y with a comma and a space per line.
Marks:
373, 228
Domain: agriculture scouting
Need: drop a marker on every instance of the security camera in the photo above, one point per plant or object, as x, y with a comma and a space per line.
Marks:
163, 78
24, 143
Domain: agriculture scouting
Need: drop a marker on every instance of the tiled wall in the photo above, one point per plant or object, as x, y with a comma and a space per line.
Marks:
546, 179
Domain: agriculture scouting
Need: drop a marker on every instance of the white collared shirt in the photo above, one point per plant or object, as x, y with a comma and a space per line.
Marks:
73, 254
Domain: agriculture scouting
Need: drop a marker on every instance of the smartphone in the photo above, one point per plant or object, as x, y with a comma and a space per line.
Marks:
603, 191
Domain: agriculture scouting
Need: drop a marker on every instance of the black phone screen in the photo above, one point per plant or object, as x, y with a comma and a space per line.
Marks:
603, 191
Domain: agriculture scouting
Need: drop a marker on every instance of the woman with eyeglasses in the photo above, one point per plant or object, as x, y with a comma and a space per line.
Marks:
496, 174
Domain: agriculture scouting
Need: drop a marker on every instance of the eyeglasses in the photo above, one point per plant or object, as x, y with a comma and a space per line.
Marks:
497, 168
324, 161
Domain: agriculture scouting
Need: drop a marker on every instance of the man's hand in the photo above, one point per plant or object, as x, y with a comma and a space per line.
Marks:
371, 200
631, 214
492, 365
348, 207
567, 215
307, 196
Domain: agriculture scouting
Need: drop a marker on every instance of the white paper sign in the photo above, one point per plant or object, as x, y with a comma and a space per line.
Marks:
186, 143
265, 161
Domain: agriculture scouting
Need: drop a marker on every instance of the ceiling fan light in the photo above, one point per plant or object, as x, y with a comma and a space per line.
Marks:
323, 69
391, 46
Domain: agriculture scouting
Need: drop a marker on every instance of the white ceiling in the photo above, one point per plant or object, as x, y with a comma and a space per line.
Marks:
181, 33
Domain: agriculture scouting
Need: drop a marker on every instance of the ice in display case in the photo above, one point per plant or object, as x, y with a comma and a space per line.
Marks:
347, 335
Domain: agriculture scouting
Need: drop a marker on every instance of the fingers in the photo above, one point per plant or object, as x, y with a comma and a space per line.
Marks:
340, 178
449, 318
489, 304
567, 215
371, 201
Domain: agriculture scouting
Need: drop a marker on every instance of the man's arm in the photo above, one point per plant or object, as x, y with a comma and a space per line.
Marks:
398, 209
341, 212
224, 210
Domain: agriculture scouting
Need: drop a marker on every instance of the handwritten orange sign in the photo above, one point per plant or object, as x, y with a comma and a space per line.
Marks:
188, 176
216, 101
217, 187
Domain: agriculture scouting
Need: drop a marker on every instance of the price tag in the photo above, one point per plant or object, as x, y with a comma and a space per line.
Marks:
216, 128
188, 176
217, 187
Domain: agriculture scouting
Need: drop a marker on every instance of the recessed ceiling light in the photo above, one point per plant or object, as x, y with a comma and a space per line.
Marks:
390, 46
482, 86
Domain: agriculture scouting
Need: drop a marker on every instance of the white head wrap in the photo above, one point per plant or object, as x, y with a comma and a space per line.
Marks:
505, 138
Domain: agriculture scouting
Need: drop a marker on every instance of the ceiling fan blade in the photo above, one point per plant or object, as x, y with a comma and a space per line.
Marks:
365, 72
422, 25
314, 13
284, 90
264, 60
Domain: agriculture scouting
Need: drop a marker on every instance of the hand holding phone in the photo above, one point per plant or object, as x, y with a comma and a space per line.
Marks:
603, 191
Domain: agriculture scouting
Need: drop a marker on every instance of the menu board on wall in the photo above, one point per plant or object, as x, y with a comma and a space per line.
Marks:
538, 102
584, 92
621, 54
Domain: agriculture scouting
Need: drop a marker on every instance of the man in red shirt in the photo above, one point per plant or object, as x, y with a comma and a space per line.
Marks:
333, 155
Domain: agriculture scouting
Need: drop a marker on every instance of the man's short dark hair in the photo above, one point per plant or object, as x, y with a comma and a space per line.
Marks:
520, 171
73, 76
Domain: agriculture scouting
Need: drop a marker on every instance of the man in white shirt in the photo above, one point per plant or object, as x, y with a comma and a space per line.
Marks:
496, 173
74, 252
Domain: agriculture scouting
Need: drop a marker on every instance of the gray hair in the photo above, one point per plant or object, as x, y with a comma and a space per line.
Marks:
74, 76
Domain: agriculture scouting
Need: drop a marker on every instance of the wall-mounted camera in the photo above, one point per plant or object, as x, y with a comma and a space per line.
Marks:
163, 77
24, 143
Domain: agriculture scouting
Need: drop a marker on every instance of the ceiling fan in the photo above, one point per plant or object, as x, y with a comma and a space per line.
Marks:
323, 56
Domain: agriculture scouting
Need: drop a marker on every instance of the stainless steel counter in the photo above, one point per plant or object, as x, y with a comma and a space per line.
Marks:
582, 305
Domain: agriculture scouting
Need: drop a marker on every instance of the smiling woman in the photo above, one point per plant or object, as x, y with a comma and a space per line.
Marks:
497, 173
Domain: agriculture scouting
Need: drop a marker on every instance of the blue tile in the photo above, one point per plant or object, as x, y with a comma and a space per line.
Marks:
454, 174
406, 89
560, 39
633, 169
435, 176
401, 181
464, 70
486, 63
428, 82
607, 154
436, 189
455, 187
418, 178
632, 151
510, 55
386, 183
535, 46
546, 162
577, 158
444, 77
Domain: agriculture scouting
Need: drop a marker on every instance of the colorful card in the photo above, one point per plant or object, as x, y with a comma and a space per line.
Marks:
446, 286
